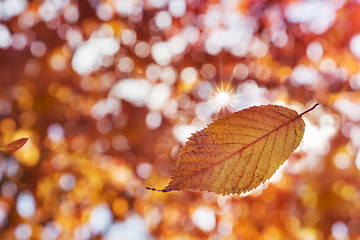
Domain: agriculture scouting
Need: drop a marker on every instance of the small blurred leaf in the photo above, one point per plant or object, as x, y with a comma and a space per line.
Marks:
237, 153
14, 146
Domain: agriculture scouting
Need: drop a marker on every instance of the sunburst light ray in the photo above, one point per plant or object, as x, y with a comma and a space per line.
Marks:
223, 99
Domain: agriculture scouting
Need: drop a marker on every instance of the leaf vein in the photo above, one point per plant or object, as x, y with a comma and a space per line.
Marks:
257, 164
274, 117
282, 114
254, 120
286, 136
251, 127
229, 175
196, 173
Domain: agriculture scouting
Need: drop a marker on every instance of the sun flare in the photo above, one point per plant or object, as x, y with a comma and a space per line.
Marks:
223, 98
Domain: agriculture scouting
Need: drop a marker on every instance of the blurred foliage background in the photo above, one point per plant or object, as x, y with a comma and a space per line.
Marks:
109, 90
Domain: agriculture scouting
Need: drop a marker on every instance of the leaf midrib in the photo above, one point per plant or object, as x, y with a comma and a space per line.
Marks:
244, 147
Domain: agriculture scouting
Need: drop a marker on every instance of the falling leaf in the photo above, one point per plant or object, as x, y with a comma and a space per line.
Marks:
14, 146
237, 153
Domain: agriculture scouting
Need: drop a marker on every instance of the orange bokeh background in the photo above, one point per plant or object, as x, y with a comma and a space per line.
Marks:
109, 90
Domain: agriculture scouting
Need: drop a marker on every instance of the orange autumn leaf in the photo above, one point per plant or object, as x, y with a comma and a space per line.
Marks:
14, 146
237, 153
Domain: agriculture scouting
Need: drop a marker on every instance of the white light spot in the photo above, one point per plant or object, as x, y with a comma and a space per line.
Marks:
126, 64
170, 108
26, 20
314, 51
163, 20
208, 71
339, 230
153, 72
342, 160
191, 34
104, 107
168, 75
12, 169
82, 232
279, 38
355, 45
88, 57
314, 145
157, 3
104, 126
355, 81
159, 95
153, 120
241, 71
204, 218
133, 227
8, 189
67, 181
204, 110
100, 219
225, 227
128, 37
51, 231
3, 213
57, 62
11, 8
204, 90
104, 11
240, 48
182, 132
5, 107
128, 7
161, 53
189, 75
304, 75
74, 37
101, 145
5, 37
120, 143
177, 8
142, 49
23, 231
357, 160
348, 108
258, 48
135, 91
71, 13
212, 44
25, 204
176, 45
354, 135
317, 15
143, 170
327, 65
38, 49
18, 41
55, 132
213, 16
49, 10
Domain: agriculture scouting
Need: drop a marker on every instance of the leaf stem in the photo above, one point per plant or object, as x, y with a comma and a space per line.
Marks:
154, 189
310, 109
